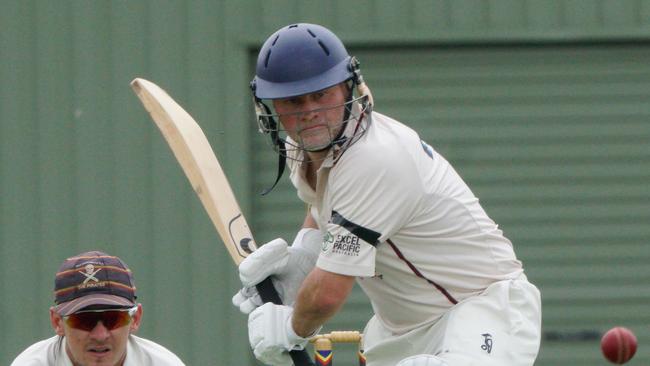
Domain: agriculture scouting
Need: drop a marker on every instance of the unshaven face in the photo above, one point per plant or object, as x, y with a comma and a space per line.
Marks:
313, 120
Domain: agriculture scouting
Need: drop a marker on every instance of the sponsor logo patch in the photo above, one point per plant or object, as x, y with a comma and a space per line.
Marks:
347, 245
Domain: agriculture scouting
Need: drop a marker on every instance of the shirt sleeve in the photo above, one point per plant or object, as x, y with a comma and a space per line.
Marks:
373, 194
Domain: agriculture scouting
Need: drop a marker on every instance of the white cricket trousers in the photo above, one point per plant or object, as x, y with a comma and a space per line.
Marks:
500, 327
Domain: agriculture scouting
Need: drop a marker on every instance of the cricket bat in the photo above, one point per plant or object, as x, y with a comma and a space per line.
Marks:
194, 154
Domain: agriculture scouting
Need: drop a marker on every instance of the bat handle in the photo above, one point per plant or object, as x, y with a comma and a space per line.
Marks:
268, 293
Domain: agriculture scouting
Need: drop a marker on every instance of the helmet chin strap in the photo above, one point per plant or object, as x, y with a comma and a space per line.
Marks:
282, 163
277, 141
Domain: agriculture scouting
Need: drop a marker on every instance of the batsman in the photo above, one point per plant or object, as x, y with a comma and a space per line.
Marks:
386, 211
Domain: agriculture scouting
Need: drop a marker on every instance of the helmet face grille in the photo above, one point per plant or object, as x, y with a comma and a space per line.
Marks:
268, 123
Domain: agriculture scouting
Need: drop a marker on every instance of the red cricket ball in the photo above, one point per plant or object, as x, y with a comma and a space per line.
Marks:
618, 345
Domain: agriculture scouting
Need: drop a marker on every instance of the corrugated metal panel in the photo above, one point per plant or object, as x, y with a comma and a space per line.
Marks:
20, 270
473, 21
81, 166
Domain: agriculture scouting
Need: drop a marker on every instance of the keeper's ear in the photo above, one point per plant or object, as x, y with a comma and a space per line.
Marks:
56, 321
137, 319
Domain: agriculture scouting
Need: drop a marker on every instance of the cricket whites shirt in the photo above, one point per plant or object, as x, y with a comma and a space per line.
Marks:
396, 215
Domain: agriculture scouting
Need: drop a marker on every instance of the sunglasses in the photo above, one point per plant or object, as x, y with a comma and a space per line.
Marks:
111, 319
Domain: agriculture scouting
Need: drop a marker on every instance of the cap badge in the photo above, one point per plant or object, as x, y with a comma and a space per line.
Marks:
90, 273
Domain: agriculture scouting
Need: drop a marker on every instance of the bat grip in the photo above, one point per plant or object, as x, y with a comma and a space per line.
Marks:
268, 293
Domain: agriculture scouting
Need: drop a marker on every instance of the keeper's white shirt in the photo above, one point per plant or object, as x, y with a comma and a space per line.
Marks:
139, 352
395, 214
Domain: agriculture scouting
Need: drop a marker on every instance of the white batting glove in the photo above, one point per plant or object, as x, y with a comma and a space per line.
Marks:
271, 334
422, 360
287, 266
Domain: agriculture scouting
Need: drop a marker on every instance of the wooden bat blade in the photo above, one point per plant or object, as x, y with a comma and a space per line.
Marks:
195, 156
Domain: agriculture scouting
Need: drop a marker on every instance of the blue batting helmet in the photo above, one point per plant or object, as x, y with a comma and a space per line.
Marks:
300, 59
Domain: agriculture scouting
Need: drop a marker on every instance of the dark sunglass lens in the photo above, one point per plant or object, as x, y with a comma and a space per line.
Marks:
115, 319
88, 321
83, 321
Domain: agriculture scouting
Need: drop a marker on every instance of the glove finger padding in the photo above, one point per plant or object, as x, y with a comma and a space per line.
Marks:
269, 259
247, 299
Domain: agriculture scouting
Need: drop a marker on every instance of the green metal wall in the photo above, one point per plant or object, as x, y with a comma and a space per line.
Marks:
541, 105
